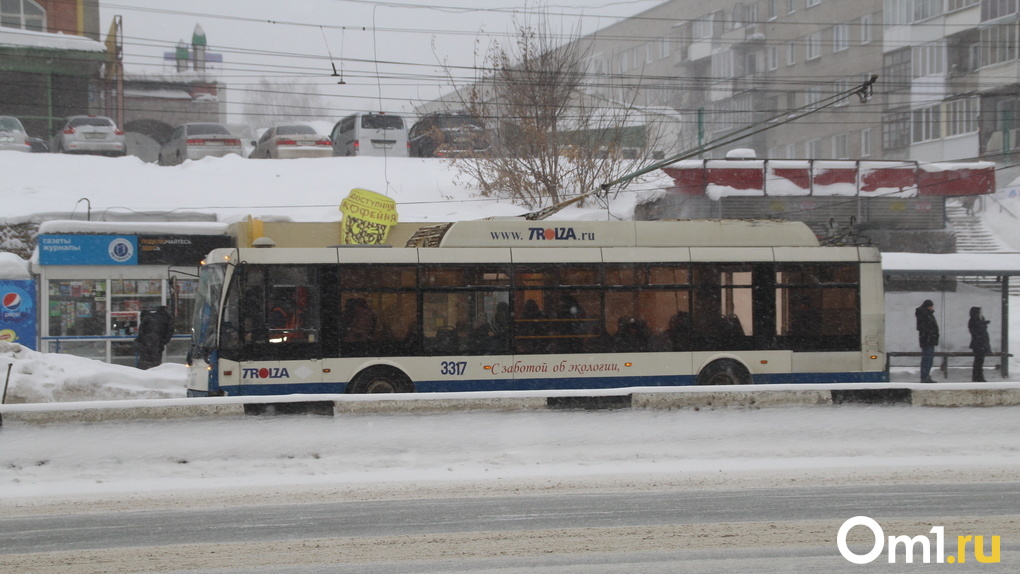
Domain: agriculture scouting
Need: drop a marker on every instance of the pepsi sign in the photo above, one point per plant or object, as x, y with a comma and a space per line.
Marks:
18, 317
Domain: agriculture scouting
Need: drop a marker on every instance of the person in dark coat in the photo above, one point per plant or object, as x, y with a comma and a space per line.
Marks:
928, 337
154, 332
979, 343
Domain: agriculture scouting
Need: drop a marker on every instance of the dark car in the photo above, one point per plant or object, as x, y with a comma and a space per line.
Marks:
38, 145
444, 134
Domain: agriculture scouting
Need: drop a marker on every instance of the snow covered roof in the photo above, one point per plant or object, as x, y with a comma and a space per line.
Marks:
135, 227
748, 177
1006, 263
19, 38
161, 94
13, 267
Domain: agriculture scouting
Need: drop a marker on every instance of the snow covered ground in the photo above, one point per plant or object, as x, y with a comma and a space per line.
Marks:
420, 454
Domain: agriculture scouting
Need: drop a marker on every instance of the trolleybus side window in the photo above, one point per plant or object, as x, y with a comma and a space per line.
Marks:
378, 310
464, 309
818, 307
279, 306
647, 308
722, 307
557, 309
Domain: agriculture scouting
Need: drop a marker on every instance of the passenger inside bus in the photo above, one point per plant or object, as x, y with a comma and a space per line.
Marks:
677, 336
357, 328
632, 334
530, 328
283, 318
357, 322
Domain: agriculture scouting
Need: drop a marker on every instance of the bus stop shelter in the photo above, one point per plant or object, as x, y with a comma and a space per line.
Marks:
982, 268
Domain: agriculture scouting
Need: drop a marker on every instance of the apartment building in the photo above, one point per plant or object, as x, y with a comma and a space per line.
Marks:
948, 76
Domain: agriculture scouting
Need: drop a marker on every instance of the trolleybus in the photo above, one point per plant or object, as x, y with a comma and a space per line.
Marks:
525, 305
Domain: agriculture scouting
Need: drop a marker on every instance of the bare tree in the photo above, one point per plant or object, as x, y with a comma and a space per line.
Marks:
555, 135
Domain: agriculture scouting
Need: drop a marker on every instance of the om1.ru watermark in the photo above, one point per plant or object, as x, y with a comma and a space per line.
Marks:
976, 544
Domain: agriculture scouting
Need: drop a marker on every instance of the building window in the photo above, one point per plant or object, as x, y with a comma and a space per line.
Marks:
866, 142
992, 9
814, 95
24, 14
813, 148
904, 12
895, 130
929, 60
924, 9
866, 24
722, 65
926, 124
839, 87
772, 57
962, 116
814, 46
791, 6
703, 28
998, 44
791, 150
840, 37
952, 5
840, 147
791, 53
773, 9
896, 72
811, 3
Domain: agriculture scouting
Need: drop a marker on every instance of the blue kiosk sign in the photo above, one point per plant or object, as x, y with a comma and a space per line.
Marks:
70, 249
88, 250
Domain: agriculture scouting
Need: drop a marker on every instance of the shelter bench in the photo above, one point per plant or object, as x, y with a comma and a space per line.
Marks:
946, 355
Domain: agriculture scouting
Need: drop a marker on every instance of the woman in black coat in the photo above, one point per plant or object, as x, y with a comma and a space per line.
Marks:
979, 343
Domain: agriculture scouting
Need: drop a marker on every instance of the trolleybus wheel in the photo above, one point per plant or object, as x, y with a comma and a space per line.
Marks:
724, 372
380, 380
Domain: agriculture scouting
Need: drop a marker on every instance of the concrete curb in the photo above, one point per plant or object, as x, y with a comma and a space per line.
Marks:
969, 398
646, 399
436, 405
724, 399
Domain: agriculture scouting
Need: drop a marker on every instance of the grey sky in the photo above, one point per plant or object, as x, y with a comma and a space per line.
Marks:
388, 52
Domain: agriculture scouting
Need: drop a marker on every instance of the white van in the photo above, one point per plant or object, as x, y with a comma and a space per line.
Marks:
377, 134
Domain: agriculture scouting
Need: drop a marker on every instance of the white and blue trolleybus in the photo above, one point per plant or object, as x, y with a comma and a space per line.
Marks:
523, 305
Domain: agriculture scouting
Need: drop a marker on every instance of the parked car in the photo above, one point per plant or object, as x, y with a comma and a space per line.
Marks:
291, 141
12, 135
38, 145
443, 134
198, 140
379, 134
89, 134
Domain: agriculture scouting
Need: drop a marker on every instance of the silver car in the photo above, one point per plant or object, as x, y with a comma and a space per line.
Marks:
89, 134
198, 140
12, 135
285, 142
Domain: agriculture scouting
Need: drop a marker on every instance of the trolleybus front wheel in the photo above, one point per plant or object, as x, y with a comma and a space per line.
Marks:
724, 372
380, 380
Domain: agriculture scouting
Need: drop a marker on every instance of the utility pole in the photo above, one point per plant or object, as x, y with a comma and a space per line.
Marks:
115, 67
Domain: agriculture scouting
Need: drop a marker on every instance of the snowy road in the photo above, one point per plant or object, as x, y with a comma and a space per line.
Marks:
125, 468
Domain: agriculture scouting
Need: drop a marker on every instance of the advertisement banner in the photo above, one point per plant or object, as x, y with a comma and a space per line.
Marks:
72, 249
367, 218
88, 250
18, 312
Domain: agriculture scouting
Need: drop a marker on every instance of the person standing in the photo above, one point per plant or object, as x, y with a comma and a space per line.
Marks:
155, 331
979, 343
928, 337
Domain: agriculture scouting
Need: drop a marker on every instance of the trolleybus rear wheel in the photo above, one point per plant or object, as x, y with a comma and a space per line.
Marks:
724, 372
381, 380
